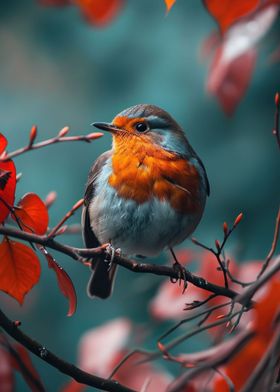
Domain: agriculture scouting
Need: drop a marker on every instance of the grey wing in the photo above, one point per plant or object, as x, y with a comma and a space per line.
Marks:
101, 280
90, 238
205, 176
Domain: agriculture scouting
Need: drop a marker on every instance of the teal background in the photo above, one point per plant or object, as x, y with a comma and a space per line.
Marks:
56, 70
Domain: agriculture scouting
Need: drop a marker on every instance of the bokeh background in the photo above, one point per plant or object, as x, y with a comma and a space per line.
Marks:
57, 70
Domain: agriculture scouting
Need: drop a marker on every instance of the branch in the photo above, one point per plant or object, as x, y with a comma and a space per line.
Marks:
249, 292
183, 380
65, 367
132, 265
218, 253
57, 139
273, 246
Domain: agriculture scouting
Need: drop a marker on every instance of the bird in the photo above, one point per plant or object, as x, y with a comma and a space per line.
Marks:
144, 195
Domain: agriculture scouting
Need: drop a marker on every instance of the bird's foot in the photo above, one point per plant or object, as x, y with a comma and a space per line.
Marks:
111, 253
181, 275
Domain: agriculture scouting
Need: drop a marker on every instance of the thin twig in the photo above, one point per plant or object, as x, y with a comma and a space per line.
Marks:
191, 318
57, 139
76, 206
273, 246
220, 247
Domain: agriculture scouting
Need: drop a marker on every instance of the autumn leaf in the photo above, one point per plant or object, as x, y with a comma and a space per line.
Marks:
32, 214
19, 269
4, 177
169, 4
227, 12
65, 283
235, 55
3, 143
7, 188
228, 81
99, 12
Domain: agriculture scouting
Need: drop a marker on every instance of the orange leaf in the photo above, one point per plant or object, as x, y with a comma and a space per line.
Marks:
99, 12
65, 283
19, 269
3, 143
227, 12
7, 190
169, 4
32, 213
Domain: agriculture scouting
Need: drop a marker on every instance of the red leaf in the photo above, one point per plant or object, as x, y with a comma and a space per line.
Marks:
65, 283
169, 4
99, 12
7, 193
228, 81
3, 143
33, 214
4, 178
235, 58
227, 12
22, 363
19, 269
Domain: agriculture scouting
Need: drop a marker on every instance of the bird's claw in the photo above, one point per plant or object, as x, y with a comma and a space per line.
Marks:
111, 252
181, 275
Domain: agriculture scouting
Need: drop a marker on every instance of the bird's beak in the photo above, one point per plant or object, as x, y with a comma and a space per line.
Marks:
105, 127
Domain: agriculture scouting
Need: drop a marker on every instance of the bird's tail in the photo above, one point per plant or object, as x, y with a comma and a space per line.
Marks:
101, 282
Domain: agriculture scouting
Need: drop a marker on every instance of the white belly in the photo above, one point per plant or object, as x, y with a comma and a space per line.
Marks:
142, 229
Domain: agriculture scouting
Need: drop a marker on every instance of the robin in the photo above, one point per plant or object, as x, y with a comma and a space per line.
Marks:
144, 195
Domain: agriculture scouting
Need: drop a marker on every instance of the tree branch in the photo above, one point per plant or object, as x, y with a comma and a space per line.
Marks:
65, 367
132, 265
57, 139
183, 380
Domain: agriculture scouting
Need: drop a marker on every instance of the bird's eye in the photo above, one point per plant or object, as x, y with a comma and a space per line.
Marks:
141, 127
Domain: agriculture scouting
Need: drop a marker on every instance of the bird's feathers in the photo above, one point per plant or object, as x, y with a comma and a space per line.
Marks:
101, 281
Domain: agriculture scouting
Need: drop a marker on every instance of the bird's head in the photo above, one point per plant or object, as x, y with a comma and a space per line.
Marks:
147, 124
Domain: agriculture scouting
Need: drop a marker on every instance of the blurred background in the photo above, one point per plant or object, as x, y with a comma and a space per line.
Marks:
57, 70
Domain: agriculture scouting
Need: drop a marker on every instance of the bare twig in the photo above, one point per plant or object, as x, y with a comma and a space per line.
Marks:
198, 330
220, 247
76, 206
191, 318
273, 246
57, 139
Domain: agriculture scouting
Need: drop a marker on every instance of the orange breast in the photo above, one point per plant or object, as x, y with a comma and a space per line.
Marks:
142, 170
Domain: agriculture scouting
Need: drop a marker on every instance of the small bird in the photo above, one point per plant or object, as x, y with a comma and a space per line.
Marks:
146, 194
